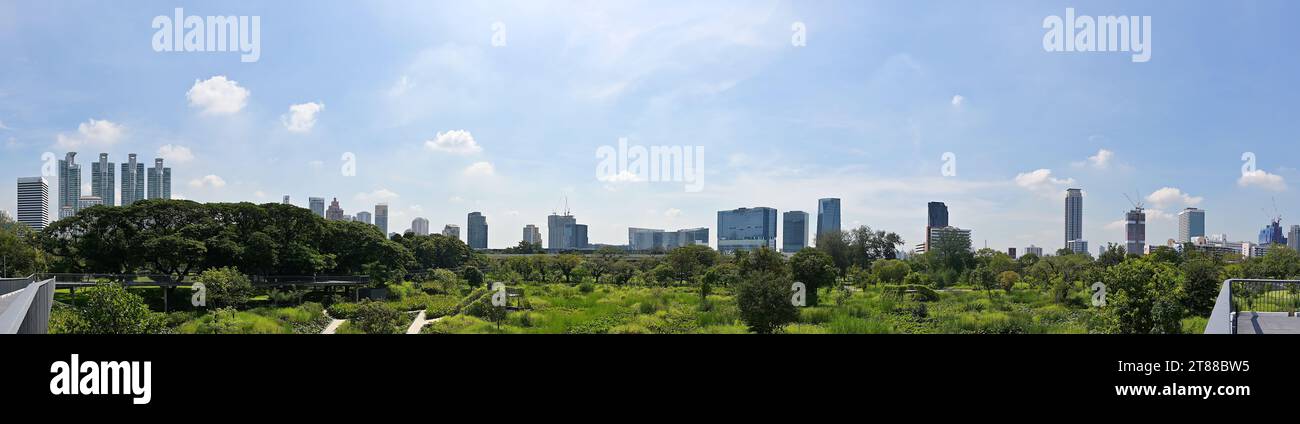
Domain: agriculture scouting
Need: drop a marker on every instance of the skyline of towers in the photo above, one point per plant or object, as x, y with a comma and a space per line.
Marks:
794, 231
33, 202
102, 181
1074, 221
476, 235
828, 215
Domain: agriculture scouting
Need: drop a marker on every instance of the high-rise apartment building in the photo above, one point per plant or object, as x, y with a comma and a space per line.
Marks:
102, 181
381, 218
420, 226
1135, 228
160, 181
334, 213
33, 202
828, 216
532, 234
748, 229
1293, 237
69, 185
133, 177
794, 232
365, 217
88, 201
1191, 223
317, 206
476, 231
1074, 221
451, 230
1034, 250
285, 201
938, 215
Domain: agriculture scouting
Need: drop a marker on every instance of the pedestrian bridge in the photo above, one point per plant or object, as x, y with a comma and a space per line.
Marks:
1247, 306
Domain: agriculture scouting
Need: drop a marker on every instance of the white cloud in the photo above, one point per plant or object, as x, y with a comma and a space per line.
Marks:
1169, 196
1262, 179
259, 194
454, 141
456, 199
302, 117
401, 87
380, 196
209, 180
673, 212
175, 154
1042, 182
1102, 159
95, 132
1116, 225
480, 169
622, 177
217, 96
958, 100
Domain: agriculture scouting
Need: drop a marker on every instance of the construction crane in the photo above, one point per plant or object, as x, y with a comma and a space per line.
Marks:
1136, 205
1275, 216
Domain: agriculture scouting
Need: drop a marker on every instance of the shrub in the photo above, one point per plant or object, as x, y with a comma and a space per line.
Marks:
226, 287
111, 309
377, 318
586, 287
764, 301
342, 310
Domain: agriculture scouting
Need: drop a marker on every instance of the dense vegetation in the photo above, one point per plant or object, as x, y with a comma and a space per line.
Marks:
855, 281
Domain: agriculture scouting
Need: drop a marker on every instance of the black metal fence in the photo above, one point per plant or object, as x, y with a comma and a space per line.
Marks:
1262, 296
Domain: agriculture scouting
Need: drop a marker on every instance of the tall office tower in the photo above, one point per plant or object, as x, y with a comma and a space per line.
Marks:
1293, 238
938, 214
1272, 234
33, 202
1011, 251
365, 217
1191, 223
477, 231
381, 218
794, 234
334, 213
644, 239
285, 201
88, 201
160, 181
937, 218
317, 205
1034, 250
451, 230
532, 234
747, 229
102, 181
580, 237
828, 216
420, 226
1074, 219
132, 180
69, 185
559, 231
1136, 231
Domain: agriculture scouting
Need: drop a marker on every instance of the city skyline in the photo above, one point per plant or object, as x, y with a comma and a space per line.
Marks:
780, 128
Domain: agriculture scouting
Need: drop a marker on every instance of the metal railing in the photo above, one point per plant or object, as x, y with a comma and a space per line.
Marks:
1255, 296
25, 305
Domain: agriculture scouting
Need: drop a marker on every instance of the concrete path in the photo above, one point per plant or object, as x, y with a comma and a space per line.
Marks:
417, 324
333, 325
1267, 323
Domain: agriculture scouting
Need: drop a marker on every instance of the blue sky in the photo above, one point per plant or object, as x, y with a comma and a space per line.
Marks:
864, 111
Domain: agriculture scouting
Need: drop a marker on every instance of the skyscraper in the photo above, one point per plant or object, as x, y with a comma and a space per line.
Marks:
453, 231
69, 185
286, 200
133, 181
334, 213
160, 181
1136, 231
747, 229
365, 217
420, 226
562, 232
317, 205
938, 215
828, 216
33, 202
381, 218
794, 233
1191, 223
477, 231
102, 181
1074, 220
532, 234
1293, 238
1272, 234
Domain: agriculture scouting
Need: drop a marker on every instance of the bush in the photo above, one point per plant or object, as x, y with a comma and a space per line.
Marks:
377, 318
226, 287
342, 310
586, 287
472, 276
764, 301
111, 309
